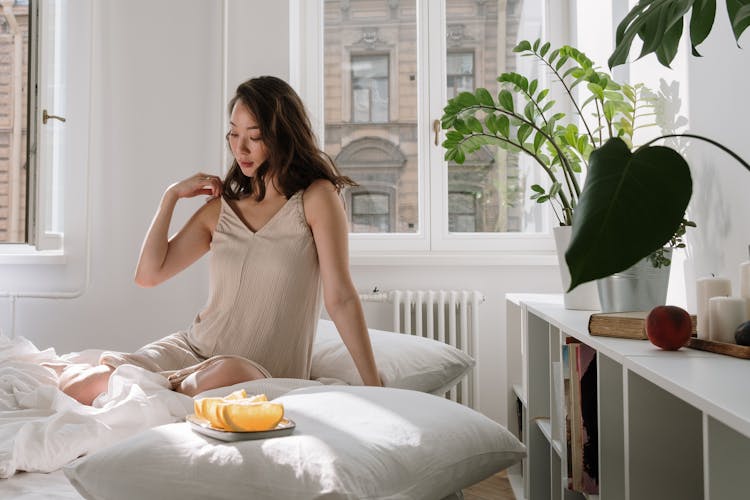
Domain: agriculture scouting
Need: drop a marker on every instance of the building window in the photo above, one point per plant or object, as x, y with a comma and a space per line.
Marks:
369, 88
371, 212
14, 101
462, 212
460, 71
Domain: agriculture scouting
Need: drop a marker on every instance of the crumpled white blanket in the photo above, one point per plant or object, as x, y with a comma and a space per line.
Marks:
42, 428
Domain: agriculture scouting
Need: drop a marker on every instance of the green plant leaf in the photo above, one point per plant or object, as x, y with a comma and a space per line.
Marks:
609, 110
522, 46
701, 22
505, 98
670, 42
532, 87
523, 133
650, 20
503, 125
529, 111
538, 140
474, 125
466, 99
542, 94
535, 47
739, 16
461, 126
491, 123
630, 205
544, 49
537, 188
484, 97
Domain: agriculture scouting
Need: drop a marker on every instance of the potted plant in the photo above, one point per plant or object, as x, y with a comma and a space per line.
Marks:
525, 119
626, 211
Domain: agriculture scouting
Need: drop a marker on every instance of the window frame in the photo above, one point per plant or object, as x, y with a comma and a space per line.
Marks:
432, 236
64, 170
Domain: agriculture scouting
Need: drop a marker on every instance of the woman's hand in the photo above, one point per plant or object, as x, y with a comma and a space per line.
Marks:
195, 185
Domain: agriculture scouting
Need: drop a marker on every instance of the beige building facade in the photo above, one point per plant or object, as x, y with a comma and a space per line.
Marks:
14, 56
371, 111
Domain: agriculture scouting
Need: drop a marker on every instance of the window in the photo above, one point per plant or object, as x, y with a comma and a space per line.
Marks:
371, 212
460, 72
14, 98
462, 208
57, 78
389, 67
369, 89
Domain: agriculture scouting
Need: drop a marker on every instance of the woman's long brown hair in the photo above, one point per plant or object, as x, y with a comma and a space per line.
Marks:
294, 159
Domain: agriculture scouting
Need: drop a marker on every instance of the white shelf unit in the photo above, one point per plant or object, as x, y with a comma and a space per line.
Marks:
672, 425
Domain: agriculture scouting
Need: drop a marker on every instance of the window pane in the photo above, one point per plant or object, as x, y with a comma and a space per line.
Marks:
371, 212
460, 73
14, 55
370, 110
480, 37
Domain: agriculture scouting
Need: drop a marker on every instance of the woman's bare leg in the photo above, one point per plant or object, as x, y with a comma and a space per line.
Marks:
221, 373
85, 382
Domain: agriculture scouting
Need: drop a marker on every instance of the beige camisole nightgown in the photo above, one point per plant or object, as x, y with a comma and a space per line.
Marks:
263, 305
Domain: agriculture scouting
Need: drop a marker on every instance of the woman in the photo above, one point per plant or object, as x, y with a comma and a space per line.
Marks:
275, 228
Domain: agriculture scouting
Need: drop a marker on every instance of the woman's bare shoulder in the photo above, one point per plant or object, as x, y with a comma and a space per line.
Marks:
208, 214
320, 198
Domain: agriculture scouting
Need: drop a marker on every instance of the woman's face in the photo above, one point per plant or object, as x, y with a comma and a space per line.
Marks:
245, 140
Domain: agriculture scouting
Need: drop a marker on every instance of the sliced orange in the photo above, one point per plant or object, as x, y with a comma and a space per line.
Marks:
212, 409
247, 416
239, 394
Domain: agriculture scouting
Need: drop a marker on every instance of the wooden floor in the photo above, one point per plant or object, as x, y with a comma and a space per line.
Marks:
495, 487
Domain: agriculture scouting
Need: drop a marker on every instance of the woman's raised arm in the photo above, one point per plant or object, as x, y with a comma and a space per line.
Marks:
162, 257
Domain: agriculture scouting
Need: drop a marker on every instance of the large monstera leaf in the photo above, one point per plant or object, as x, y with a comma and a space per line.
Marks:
631, 205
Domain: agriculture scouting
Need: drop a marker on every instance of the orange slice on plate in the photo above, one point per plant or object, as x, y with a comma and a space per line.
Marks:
251, 417
212, 409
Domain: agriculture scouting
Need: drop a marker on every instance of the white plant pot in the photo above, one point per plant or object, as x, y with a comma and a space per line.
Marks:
584, 297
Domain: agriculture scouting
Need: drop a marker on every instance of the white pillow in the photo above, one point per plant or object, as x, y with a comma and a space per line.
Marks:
404, 361
349, 443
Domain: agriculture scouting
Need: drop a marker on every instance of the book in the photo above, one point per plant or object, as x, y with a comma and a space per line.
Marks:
626, 325
581, 422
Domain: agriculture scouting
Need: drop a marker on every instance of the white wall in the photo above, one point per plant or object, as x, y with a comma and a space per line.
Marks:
158, 116
718, 108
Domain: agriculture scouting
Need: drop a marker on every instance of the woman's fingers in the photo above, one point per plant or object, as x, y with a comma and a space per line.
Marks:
211, 185
197, 184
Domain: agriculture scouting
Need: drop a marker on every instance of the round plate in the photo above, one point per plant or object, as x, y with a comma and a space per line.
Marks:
203, 426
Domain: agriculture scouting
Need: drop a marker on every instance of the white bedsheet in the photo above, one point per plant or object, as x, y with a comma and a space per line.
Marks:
42, 428
38, 486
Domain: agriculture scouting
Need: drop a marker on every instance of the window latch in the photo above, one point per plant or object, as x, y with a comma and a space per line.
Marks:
46, 117
436, 128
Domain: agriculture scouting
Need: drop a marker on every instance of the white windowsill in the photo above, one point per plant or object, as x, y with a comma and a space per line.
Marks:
468, 259
28, 254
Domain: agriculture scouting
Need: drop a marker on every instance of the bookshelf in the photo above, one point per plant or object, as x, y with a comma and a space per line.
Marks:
670, 424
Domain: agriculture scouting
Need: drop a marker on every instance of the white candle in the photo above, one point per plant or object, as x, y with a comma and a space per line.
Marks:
745, 283
725, 314
705, 289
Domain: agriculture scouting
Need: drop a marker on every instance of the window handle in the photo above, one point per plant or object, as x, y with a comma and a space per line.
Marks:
46, 117
436, 128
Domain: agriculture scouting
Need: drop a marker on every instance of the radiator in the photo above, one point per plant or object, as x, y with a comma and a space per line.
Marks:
449, 316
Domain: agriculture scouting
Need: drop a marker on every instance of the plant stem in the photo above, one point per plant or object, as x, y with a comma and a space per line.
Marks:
570, 95
711, 141
563, 199
575, 189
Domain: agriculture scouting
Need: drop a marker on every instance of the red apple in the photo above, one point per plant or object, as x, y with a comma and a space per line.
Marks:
668, 327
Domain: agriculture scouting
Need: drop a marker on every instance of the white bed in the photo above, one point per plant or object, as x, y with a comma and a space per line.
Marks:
350, 442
